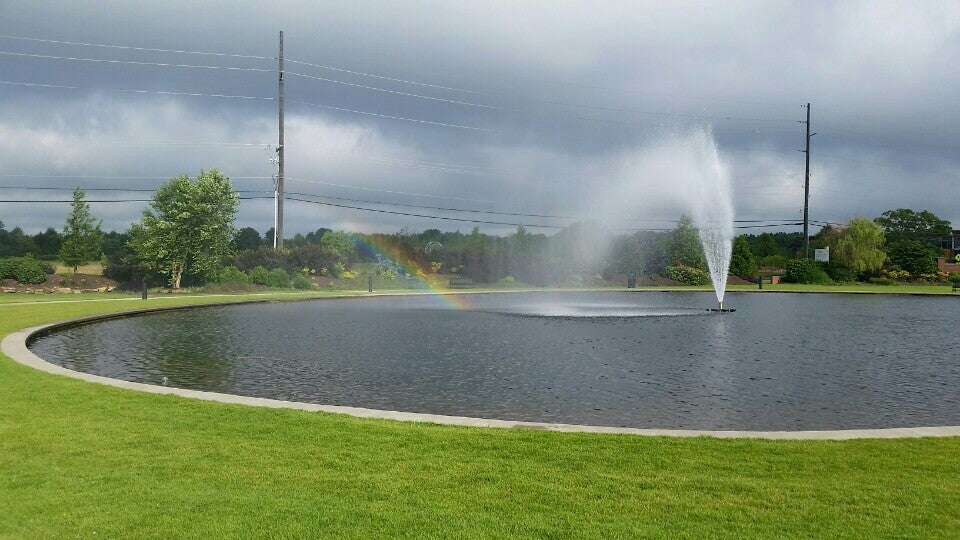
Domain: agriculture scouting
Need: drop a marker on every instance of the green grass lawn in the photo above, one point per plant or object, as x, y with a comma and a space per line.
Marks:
83, 460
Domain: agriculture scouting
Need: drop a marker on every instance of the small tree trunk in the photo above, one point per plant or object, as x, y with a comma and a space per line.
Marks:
177, 273
75, 269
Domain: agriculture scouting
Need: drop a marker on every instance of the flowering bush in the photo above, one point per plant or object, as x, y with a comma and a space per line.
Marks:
688, 275
898, 275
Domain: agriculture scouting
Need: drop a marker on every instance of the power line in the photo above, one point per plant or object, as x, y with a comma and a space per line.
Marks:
447, 209
397, 92
888, 139
135, 48
405, 81
539, 113
395, 192
875, 163
133, 62
486, 222
44, 201
474, 128
231, 96
123, 90
133, 190
119, 176
372, 75
367, 113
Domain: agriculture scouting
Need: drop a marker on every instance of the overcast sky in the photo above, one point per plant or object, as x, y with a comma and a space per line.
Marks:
546, 108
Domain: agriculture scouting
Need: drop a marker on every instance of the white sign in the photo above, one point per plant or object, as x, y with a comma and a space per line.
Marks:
821, 255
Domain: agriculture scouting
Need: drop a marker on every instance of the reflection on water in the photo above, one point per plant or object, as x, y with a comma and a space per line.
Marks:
782, 361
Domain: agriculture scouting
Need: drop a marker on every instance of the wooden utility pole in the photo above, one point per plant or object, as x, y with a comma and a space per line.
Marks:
806, 191
278, 230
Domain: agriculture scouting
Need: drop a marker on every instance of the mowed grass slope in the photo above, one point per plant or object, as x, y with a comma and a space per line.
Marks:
81, 459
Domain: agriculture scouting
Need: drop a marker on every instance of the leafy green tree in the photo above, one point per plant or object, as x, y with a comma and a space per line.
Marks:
82, 238
906, 224
768, 246
626, 256
341, 244
682, 245
913, 256
826, 237
47, 242
859, 246
268, 237
248, 238
188, 228
742, 262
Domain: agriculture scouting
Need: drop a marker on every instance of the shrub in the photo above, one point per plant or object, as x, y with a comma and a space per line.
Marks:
23, 269
883, 281
259, 275
266, 257
278, 278
914, 257
953, 277
899, 275
301, 282
806, 271
688, 275
933, 277
839, 273
338, 270
742, 262
232, 274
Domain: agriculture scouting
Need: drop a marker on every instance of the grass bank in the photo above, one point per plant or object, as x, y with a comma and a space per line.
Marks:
80, 459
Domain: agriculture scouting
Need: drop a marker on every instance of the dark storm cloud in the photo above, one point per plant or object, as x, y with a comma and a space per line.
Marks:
569, 90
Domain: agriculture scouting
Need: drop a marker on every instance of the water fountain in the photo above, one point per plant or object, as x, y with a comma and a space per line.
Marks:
682, 166
710, 198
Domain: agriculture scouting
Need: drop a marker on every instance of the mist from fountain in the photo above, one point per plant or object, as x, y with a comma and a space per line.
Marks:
681, 171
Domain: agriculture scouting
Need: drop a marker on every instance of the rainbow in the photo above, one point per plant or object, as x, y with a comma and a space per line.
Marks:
376, 247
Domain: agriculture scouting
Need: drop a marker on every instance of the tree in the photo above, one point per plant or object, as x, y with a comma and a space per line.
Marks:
188, 228
768, 246
626, 256
682, 245
906, 224
826, 238
268, 237
340, 244
742, 262
914, 257
248, 238
47, 242
82, 238
858, 246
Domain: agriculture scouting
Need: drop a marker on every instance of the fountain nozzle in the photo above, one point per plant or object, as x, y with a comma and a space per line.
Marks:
721, 306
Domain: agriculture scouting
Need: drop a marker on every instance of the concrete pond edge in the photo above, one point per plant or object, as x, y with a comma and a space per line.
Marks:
15, 346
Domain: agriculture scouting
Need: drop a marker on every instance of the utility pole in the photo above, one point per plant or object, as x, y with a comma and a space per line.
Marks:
806, 191
278, 229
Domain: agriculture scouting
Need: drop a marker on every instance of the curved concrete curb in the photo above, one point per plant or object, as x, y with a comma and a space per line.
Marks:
14, 345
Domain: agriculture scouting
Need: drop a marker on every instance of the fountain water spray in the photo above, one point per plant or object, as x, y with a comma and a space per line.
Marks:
684, 167
709, 195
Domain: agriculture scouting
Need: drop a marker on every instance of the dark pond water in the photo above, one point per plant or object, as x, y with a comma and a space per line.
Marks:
782, 361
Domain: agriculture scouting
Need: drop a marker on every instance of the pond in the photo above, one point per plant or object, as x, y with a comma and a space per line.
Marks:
631, 359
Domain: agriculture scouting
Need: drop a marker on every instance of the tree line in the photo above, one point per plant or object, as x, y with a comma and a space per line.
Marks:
187, 236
